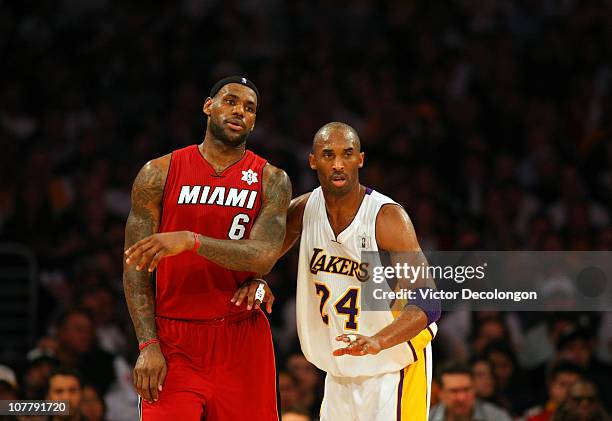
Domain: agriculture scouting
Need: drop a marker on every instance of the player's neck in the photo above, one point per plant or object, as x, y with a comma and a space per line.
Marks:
341, 209
218, 154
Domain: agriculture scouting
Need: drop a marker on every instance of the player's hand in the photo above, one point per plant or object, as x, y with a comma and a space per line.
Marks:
150, 372
147, 253
358, 345
248, 292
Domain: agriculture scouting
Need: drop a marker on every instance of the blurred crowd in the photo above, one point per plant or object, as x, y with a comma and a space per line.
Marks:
489, 120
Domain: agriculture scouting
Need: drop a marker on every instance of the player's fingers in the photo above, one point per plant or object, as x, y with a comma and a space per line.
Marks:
162, 377
250, 297
359, 347
132, 255
242, 293
259, 295
153, 385
238, 293
139, 388
146, 380
359, 342
339, 352
343, 338
131, 249
147, 256
136, 248
139, 255
136, 380
269, 304
156, 258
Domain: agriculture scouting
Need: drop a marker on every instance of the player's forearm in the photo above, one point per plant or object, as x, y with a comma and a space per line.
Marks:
411, 321
141, 303
242, 255
137, 285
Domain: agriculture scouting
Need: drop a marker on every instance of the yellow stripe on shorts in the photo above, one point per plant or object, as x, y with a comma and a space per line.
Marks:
412, 390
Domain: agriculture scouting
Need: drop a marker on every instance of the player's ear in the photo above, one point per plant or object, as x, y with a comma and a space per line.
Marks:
312, 162
206, 107
361, 158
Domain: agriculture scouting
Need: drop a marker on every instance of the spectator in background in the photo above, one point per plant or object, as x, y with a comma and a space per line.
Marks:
467, 333
540, 341
309, 382
8, 375
101, 302
582, 404
288, 390
513, 392
75, 347
121, 401
8, 391
486, 330
65, 384
484, 381
575, 336
578, 345
561, 377
36, 375
458, 400
92, 405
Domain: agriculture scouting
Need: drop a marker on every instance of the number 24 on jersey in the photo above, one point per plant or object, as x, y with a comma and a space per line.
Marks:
346, 305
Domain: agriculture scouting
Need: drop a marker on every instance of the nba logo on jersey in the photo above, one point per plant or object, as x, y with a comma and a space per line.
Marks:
249, 176
364, 241
244, 80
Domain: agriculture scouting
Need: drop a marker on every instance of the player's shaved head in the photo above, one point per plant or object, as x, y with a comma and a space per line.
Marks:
325, 132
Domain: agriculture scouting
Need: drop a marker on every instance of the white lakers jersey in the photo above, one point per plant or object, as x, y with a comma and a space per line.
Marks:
328, 292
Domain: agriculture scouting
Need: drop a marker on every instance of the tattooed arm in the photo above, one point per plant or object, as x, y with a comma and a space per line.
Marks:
261, 250
248, 290
257, 254
143, 221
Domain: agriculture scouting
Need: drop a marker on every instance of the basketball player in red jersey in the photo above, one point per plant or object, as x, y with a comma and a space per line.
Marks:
207, 217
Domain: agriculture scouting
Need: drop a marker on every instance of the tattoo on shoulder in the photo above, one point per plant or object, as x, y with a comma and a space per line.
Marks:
278, 189
272, 220
149, 185
147, 194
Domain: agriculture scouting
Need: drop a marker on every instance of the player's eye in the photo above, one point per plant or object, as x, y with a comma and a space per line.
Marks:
250, 109
230, 101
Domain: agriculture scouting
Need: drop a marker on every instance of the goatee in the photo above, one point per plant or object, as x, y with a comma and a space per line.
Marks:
219, 133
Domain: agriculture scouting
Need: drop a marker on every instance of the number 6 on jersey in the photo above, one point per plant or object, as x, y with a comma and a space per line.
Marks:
238, 228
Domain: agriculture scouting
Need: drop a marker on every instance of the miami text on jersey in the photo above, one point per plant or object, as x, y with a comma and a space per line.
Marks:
240, 198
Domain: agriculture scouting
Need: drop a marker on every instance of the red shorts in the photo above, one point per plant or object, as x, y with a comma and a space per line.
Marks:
220, 370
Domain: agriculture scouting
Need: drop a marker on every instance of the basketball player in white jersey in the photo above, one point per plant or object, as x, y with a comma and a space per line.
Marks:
378, 363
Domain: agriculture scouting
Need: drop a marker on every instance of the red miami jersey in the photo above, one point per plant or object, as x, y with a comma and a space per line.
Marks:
223, 206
